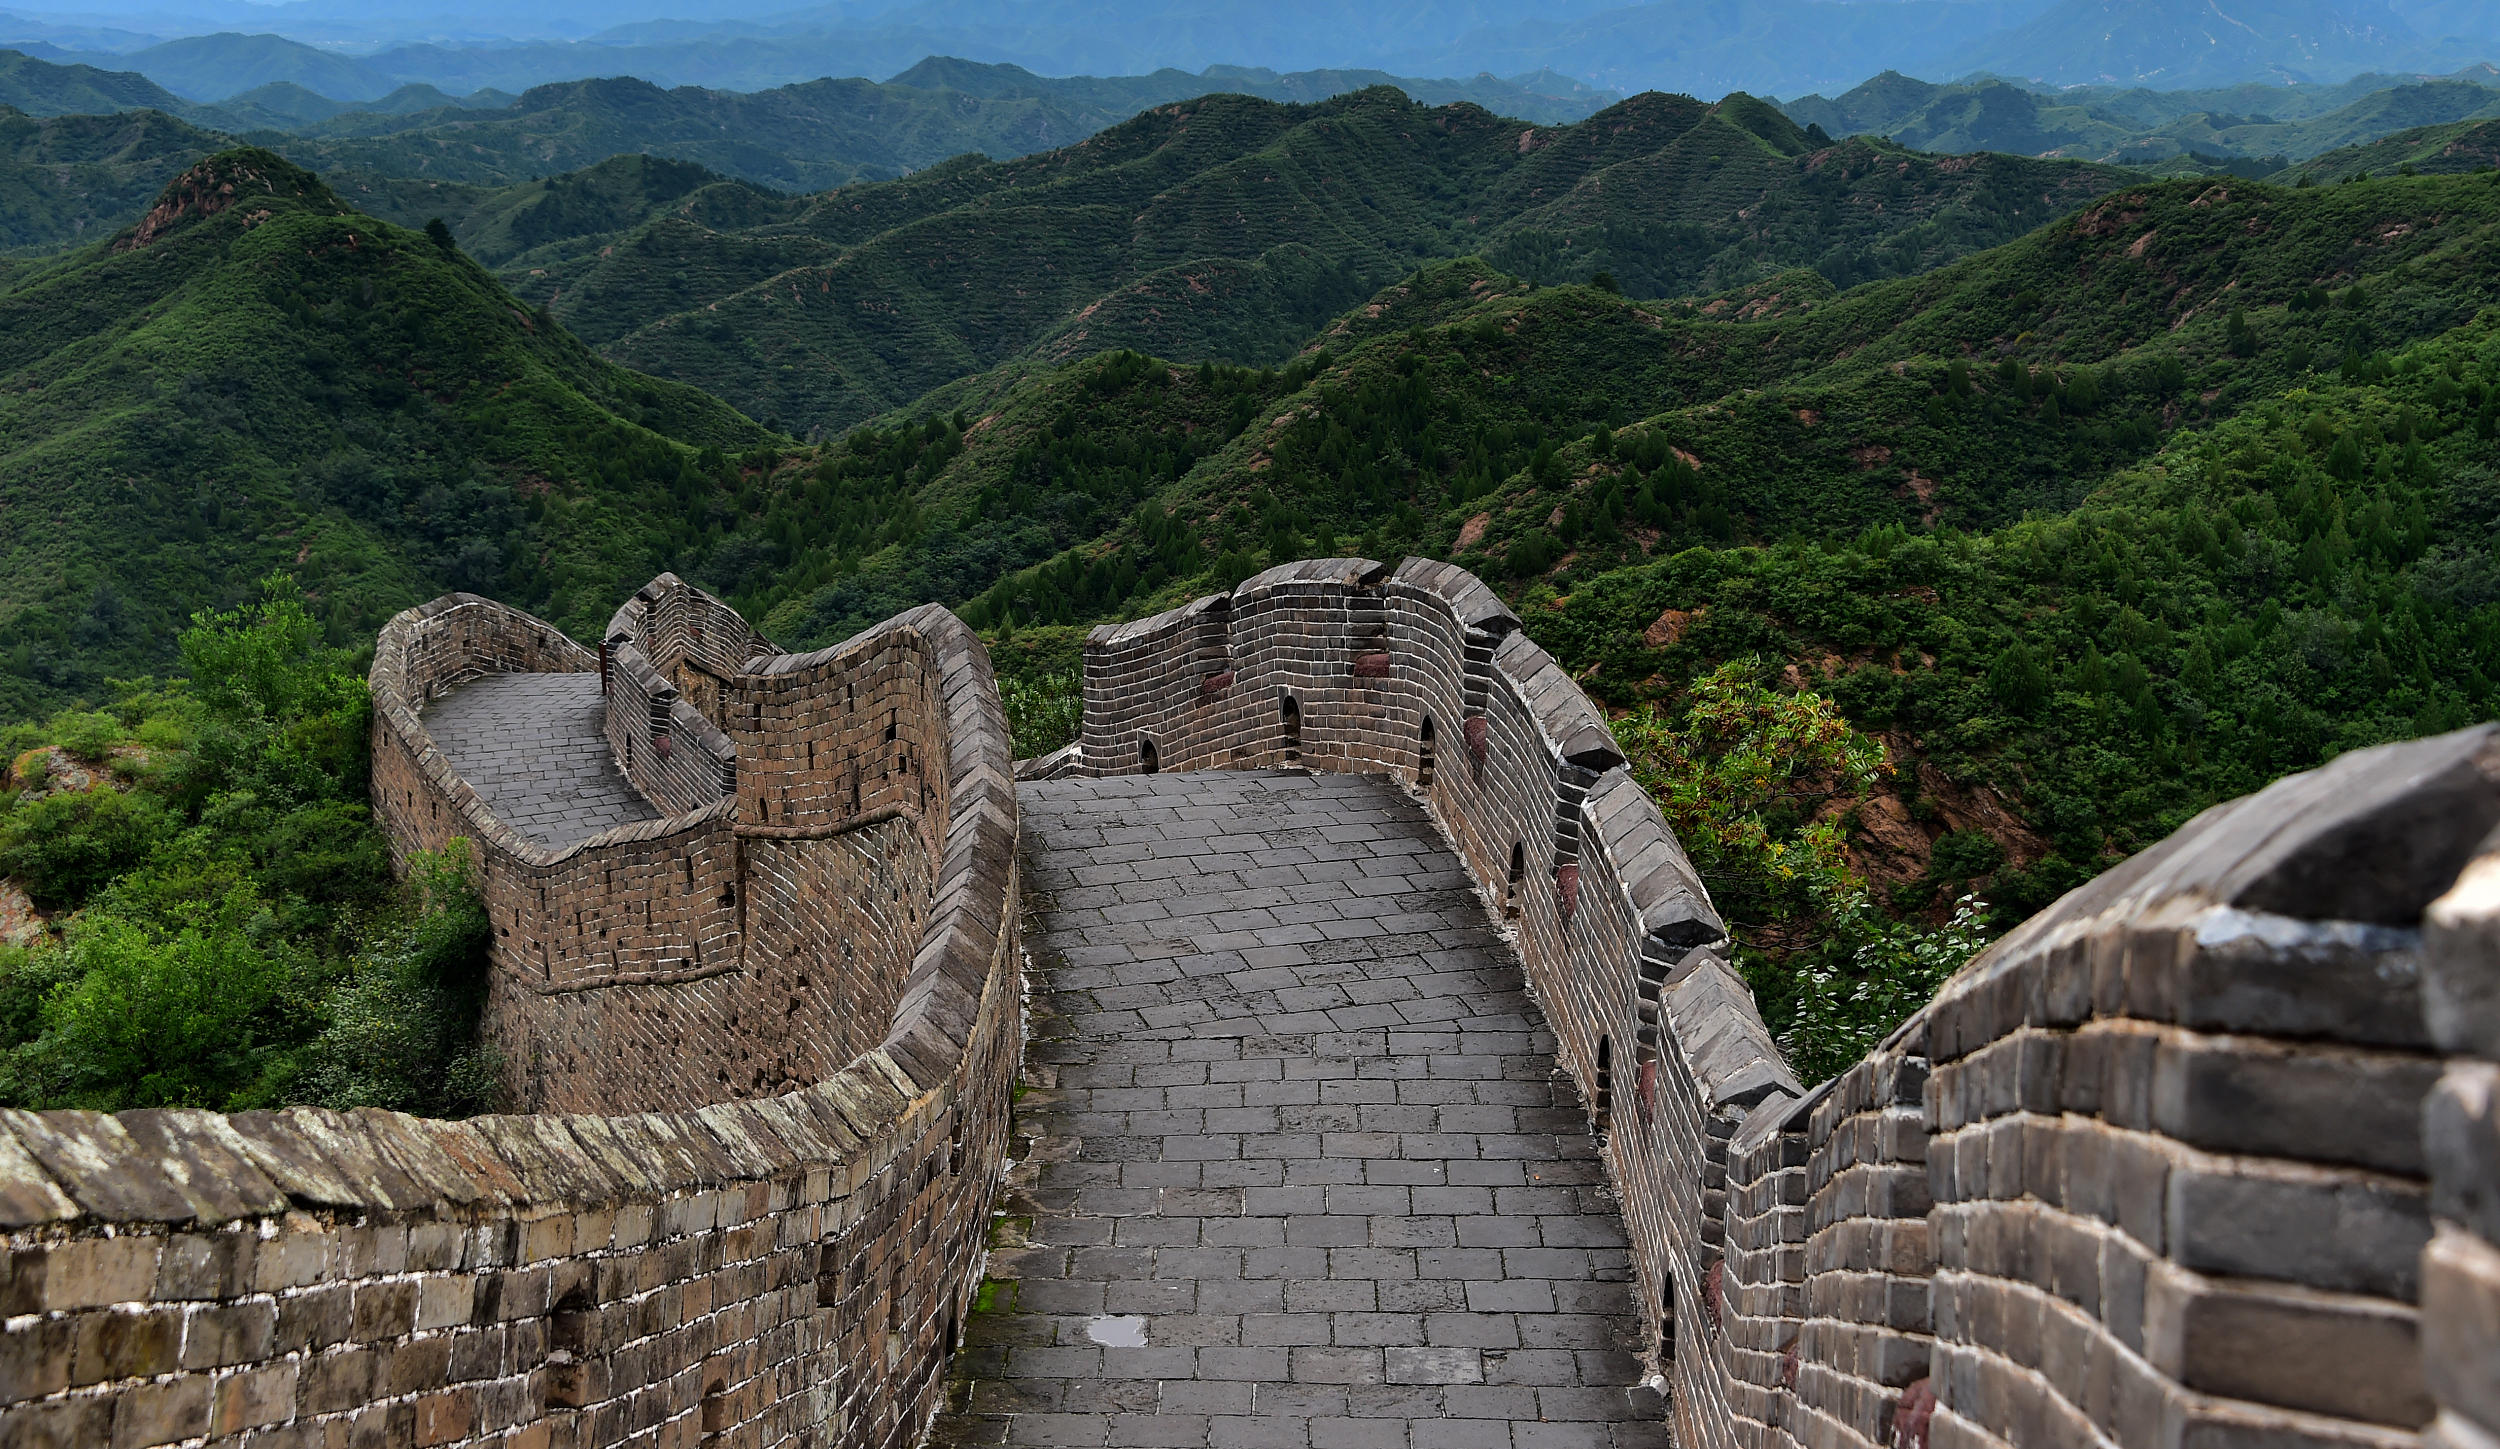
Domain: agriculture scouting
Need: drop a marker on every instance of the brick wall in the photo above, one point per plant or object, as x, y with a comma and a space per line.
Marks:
2460, 1281
767, 1044
1620, 942
2152, 1170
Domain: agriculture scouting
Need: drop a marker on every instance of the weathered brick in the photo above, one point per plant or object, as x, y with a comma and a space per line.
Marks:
227, 1334
2356, 1358
2461, 1324
445, 1417
148, 1415
115, 1344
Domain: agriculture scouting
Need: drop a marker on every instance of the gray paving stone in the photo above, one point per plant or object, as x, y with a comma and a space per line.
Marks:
531, 746
1295, 1110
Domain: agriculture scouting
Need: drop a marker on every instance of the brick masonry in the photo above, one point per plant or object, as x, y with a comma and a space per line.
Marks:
1301, 1173
2206, 1154
765, 1036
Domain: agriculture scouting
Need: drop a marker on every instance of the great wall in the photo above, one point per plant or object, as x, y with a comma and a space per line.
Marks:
1388, 1087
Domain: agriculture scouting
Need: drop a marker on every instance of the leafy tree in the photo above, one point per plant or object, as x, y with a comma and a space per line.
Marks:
2018, 680
1045, 712
1758, 786
400, 1028
230, 937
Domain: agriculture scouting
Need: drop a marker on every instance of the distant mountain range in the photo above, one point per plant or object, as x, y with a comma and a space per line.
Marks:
82, 147
1705, 47
2175, 43
2140, 126
418, 152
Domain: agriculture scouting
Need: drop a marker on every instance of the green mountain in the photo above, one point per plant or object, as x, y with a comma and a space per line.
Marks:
255, 377
823, 133
2463, 146
511, 228
808, 137
1523, 430
2139, 126
286, 106
279, 104
214, 67
1231, 227
2310, 576
67, 178
1542, 96
2166, 43
40, 88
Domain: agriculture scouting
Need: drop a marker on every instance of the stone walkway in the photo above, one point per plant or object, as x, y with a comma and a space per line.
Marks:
531, 746
1302, 1172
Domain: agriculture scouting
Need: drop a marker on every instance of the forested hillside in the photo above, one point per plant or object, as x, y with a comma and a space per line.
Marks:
1466, 413
257, 377
2095, 498
40, 88
1230, 228
69, 178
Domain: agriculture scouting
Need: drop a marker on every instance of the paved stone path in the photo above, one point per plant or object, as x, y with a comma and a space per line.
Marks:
532, 747
1302, 1173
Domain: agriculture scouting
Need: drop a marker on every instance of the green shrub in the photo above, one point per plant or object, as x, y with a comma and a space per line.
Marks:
403, 1024
195, 1019
238, 941
65, 847
1043, 712
1964, 854
89, 736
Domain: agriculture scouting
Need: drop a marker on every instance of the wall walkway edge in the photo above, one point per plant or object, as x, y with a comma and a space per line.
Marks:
787, 1267
2204, 1154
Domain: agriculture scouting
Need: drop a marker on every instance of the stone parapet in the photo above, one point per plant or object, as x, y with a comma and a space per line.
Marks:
1421, 672
768, 1051
2207, 1153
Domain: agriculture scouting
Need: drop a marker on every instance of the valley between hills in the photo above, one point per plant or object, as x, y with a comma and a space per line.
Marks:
2091, 493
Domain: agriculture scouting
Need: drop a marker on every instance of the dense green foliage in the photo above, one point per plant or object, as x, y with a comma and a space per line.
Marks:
75, 177
2313, 576
1759, 784
1525, 430
280, 382
229, 934
1228, 228
41, 88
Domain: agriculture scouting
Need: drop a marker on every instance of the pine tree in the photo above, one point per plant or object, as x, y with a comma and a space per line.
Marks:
2198, 672
2017, 679
2092, 676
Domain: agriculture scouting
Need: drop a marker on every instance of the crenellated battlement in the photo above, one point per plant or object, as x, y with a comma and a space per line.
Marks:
755, 983
2152, 1170
2208, 1153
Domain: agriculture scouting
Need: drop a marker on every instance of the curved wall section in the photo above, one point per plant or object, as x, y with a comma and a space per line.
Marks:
766, 1040
1422, 672
2207, 1154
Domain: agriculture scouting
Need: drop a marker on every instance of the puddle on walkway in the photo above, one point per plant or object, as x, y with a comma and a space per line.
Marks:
1125, 1330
